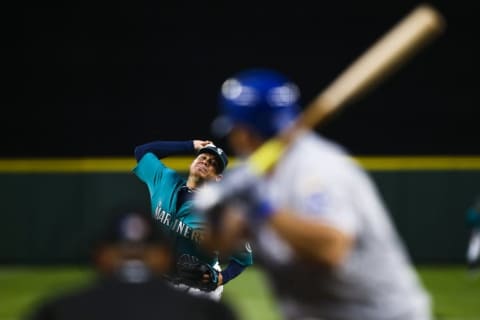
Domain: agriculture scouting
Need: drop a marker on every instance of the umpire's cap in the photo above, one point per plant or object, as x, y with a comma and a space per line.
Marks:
261, 99
218, 153
132, 227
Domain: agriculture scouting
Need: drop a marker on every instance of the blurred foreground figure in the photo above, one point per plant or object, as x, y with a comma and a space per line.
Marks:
129, 259
320, 229
473, 251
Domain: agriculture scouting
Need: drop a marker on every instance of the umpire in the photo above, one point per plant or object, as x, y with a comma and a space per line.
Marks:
129, 258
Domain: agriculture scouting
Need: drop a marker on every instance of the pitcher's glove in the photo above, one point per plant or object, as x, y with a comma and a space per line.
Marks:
198, 274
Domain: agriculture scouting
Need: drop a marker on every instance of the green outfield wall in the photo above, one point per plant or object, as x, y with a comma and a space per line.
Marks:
52, 209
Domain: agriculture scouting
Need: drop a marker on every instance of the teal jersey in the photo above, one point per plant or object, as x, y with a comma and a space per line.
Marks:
184, 226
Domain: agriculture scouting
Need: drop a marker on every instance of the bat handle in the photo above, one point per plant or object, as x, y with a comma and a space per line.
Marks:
264, 158
267, 155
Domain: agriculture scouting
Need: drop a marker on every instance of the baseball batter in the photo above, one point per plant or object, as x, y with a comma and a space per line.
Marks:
171, 205
321, 230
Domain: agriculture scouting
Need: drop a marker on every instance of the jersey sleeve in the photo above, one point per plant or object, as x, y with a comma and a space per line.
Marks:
164, 149
328, 202
243, 257
150, 170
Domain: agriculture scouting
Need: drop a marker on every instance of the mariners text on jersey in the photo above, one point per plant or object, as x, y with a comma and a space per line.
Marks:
177, 226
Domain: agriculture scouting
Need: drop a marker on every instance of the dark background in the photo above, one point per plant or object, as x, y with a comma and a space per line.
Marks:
96, 78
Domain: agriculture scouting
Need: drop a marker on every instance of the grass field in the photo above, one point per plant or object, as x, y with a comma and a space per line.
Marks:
456, 293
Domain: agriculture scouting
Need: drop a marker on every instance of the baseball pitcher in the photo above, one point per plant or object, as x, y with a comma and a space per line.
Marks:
197, 270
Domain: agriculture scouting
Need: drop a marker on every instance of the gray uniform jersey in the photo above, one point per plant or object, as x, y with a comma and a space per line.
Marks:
320, 182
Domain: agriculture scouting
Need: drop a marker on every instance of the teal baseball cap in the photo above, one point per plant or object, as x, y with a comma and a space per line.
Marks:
221, 156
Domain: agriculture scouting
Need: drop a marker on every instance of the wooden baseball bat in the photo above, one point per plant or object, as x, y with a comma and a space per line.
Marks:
385, 56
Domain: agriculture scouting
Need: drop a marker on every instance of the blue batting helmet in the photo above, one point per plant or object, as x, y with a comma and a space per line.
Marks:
263, 100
